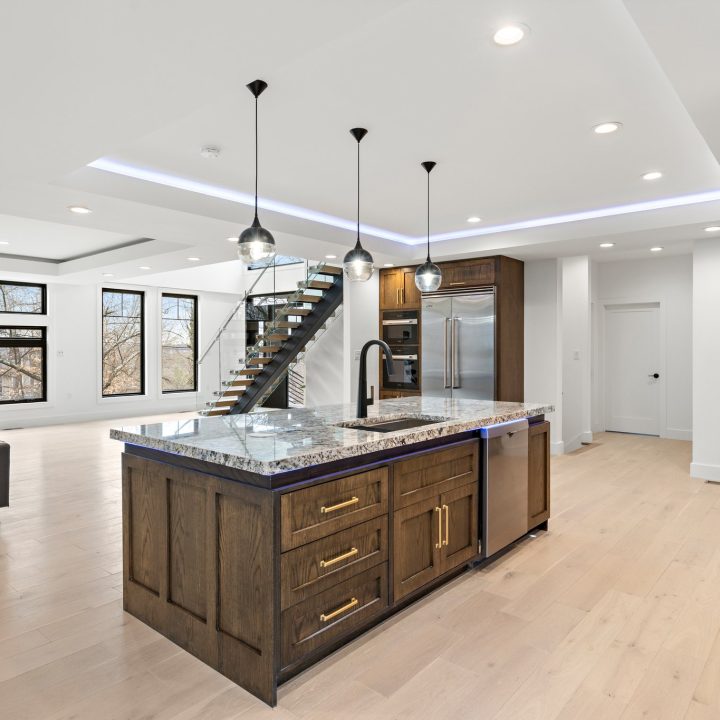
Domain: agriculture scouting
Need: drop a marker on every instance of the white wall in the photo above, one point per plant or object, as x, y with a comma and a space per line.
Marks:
706, 360
324, 367
668, 281
74, 358
543, 369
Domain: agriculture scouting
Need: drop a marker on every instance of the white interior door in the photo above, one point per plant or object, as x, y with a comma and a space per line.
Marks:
633, 380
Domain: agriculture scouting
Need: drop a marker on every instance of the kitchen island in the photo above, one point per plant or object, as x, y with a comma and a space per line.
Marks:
262, 542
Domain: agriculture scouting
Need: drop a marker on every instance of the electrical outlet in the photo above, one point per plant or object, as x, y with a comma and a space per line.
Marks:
357, 354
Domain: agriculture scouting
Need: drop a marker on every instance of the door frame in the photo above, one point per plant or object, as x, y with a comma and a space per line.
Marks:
639, 303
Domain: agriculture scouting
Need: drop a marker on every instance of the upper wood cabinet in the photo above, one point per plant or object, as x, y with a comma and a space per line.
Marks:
398, 290
468, 273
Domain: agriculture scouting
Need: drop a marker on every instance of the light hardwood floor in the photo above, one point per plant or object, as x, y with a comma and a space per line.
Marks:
613, 613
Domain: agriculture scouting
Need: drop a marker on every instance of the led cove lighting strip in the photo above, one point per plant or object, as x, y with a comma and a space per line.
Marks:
160, 178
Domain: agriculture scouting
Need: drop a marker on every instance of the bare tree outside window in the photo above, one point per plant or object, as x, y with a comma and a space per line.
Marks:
179, 343
17, 297
122, 342
22, 364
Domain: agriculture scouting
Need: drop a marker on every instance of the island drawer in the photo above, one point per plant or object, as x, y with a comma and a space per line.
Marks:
321, 510
315, 567
333, 613
429, 473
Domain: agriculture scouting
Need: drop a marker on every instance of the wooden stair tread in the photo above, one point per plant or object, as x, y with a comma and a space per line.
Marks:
259, 361
329, 270
219, 411
224, 403
240, 383
233, 392
288, 324
319, 284
272, 348
298, 311
310, 298
275, 336
248, 371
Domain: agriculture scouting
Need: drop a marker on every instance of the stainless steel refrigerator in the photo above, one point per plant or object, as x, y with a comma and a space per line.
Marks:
458, 344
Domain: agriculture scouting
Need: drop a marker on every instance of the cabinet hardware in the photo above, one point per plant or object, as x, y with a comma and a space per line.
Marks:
397, 296
348, 606
332, 508
402, 295
457, 283
439, 543
447, 524
350, 553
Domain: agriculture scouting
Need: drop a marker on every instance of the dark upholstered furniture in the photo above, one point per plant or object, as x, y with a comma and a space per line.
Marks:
4, 474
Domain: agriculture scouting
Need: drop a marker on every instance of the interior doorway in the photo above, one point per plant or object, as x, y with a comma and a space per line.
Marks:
633, 368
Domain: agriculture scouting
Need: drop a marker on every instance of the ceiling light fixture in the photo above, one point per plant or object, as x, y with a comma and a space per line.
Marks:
193, 259
79, 209
510, 34
428, 276
358, 263
713, 228
607, 245
655, 249
4, 242
474, 219
389, 264
144, 267
108, 274
607, 127
652, 175
256, 243
330, 257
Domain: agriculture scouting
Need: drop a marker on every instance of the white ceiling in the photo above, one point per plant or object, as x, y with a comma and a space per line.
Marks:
511, 128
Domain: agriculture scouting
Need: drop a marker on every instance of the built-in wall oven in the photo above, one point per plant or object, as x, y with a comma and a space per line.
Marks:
400, 328
406, 369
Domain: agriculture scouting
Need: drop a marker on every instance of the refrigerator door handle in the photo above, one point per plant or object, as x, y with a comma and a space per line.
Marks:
445, 355
455, 378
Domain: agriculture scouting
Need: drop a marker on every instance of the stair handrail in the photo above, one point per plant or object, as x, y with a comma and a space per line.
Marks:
240, 303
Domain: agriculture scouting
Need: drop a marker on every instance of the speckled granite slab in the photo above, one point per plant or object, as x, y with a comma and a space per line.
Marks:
278, 441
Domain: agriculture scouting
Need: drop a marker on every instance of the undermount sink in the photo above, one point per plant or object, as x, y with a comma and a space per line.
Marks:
386, 426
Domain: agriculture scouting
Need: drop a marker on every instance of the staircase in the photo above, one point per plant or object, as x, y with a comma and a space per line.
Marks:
298, 323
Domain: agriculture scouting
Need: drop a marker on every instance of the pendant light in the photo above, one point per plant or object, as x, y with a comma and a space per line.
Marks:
428, 275
256, 243
358, 263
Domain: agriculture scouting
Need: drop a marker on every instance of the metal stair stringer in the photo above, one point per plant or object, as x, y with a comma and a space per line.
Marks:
274, 371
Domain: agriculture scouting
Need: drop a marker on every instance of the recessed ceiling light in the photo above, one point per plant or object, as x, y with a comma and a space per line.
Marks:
653, 175
389, 264
108, 274
232, 239
4, 242
192, 259
607, 245
79, 209
144, 267
474, 219
713, 228
510, 34
656, 249
331, 257
607, 127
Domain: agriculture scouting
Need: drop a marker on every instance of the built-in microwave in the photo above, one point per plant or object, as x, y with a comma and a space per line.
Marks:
406, 369
400, 327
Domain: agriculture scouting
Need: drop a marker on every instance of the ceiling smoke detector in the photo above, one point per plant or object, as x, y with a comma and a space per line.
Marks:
211, 152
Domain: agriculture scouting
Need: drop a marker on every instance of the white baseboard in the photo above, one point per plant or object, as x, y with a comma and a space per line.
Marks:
677, 434
586, 438
557, 448
705, 472
573, 444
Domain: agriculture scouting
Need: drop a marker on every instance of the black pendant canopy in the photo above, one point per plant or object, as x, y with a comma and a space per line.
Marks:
256, 243
358, 263
428, 276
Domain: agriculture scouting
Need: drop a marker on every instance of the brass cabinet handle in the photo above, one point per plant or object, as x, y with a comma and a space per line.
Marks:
439, 543
348, 606
332, 508
458, 283
447, 524
350, 553
402, 295
397, 296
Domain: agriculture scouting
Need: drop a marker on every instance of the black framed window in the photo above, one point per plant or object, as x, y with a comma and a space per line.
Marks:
25, 298
23, 364
123, 342
179, 343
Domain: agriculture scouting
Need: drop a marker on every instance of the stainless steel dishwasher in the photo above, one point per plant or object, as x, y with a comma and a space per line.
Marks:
504, 496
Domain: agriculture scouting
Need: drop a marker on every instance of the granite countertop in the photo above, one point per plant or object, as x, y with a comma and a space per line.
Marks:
276, 441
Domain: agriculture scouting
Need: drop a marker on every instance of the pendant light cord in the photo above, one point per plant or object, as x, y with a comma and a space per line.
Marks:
256, 156
358, 191
428, 217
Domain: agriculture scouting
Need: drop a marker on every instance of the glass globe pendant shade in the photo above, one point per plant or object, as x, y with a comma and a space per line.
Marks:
255, 243
358, 264
428, 277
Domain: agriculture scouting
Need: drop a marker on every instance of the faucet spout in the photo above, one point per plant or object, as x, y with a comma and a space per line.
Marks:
362, 399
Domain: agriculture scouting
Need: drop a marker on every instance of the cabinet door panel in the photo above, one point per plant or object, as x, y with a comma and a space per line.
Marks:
416, 555
390, 287
538, 474
460, 526
410, 294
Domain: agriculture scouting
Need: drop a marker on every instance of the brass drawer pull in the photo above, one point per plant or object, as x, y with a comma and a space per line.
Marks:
458, 283
340, 610
350, 553
332, 508
439, 543
447, 524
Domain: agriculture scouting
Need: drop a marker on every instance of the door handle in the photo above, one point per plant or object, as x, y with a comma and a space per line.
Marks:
455, 380
445, 355
447, 524
654, 376
439, 543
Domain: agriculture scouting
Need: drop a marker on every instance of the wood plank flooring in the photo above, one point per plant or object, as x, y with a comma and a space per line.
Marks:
612, 614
